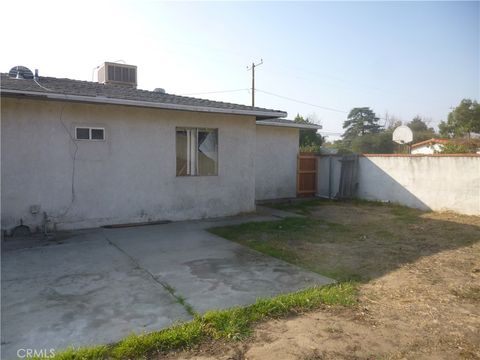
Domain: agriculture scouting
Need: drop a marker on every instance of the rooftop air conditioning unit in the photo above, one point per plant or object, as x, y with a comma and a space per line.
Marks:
117, 74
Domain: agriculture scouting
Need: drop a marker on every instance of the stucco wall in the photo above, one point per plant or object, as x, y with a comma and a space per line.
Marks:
427, 182
436, 183
129, 177
276, 162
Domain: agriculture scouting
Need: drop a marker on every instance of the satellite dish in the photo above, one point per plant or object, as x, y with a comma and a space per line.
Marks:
402, 135
20, 72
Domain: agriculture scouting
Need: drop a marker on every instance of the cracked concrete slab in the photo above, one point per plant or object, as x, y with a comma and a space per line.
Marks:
209, 271
98, 286
77, 294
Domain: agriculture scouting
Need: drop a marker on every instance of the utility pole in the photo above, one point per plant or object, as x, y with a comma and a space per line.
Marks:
253, 78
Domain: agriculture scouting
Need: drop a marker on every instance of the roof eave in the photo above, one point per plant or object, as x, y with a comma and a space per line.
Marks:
291, 125
148, 104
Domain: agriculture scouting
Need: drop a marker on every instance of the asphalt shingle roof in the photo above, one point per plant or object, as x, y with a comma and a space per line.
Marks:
118, 92
288, 123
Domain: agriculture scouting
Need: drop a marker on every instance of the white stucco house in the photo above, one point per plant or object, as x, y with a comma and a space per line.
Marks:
428, 147
77, 154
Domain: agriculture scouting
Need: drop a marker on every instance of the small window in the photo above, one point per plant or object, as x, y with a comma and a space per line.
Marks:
97, 134
197, 152
86, 133
83, 133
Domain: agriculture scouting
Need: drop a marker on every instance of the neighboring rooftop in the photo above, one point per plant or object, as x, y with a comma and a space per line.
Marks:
430, 142
94, 92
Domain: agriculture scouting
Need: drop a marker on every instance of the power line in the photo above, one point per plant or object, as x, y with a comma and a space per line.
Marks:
287, 98
303, 102
215, 92
310, 104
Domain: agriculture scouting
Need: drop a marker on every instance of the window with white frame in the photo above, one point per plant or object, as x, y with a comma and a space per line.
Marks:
197, 152
89, 133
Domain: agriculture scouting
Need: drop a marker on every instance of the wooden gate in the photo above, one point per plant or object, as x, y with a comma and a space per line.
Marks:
306, 175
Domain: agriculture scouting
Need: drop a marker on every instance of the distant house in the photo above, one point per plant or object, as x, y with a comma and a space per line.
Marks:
78, 154
431, 146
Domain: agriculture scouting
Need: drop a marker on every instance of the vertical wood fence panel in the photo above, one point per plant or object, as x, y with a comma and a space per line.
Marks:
306, 175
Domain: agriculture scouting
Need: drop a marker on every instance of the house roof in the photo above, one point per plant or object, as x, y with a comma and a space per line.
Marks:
93, 92
287, 123
430, 142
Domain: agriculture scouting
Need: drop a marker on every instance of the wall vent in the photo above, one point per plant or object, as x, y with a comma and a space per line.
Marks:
118, 74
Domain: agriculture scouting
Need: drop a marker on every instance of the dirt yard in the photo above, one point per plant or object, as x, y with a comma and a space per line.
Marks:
419, 285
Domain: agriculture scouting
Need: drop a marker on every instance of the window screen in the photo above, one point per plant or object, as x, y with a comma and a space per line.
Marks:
83, 133
197, 152
98, 134
207, 152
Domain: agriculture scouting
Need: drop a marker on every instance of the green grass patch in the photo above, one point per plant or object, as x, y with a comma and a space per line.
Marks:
344, 275
287, 225
293, 227
176, 337
258, 234
284, 239
471, 293
405, 214
300, 206
180, 299
305, 207
87, 353
231, 324
237, 323
372, 238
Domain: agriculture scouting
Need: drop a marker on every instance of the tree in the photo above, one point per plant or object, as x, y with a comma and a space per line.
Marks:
360, 121
391, 121
463, 120
420, 129
377, 143
363, 134
310, 140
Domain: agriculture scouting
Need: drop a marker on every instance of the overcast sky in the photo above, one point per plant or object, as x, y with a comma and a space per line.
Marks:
404, 58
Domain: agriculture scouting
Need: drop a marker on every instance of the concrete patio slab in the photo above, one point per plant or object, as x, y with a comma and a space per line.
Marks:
98, 286
209, 271
78, 294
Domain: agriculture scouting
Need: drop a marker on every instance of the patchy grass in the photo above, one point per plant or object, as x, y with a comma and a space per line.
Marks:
405, 214
306, 206
180, 299
355, 240
299, 206
231, 324
237, 323
471, 293
415, 258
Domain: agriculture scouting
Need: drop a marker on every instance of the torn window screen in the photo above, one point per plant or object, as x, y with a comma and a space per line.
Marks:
197, 152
